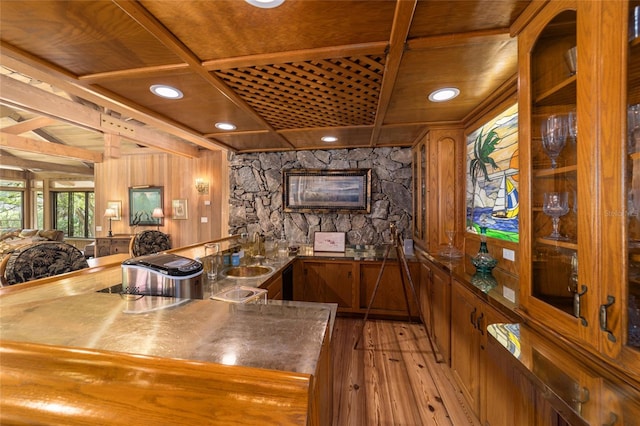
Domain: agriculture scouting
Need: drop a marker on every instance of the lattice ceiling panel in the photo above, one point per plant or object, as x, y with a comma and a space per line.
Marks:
317, 93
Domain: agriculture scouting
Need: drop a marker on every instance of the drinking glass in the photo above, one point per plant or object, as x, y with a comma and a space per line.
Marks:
556, 204
554, 136
269, 247
211, 255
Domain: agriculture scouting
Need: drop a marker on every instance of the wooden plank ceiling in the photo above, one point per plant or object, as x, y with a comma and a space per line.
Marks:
357, 70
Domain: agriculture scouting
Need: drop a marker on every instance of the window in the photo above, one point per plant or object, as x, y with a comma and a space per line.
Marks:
73, 213
11, 204
38, 206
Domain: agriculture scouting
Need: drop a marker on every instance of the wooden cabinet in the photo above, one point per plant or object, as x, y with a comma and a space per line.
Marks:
390, 297
419, 153
572, 281
112, 245
441, 306
436, 202
435, 306
531, 380
425, 296
274, 287
512, 399
631, 350
328, 282
350, 284
469, 318
511, 396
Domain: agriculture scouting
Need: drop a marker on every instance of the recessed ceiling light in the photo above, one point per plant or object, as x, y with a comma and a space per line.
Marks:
444, 94
328, 139
225, 126
165, 91
265, 4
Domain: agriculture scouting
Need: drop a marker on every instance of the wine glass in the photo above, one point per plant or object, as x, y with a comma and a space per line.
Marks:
554, 136
556, 204
450, 251
572, 125
633, 126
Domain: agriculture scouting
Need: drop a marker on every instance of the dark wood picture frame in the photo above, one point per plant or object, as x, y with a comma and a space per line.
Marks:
319, 190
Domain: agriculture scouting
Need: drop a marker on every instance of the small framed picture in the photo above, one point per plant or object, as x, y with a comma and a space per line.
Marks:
179, 209
116, 206
329, 241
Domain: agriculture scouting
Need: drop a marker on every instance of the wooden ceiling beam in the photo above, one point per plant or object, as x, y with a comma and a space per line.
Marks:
304, 55
459, 39
43, 165
138, 13
25, 63
48, 148
29, 125
399, 33
24, 96
133, 72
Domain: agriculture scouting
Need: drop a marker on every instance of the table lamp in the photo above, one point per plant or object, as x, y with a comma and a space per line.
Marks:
157, 214
110, 213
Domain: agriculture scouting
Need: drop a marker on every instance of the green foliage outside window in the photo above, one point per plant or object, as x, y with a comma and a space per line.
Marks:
11, 203
74, 213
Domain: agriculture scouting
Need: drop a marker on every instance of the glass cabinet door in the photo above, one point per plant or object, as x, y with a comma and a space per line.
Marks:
554, 168
423, 190
633, 177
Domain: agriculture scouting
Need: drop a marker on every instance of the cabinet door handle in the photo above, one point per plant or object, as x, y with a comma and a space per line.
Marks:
479, 323
603, 318
614, 419
472, 318
576, 305
584, 396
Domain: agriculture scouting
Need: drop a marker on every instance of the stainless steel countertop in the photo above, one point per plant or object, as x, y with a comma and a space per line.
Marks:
284, 336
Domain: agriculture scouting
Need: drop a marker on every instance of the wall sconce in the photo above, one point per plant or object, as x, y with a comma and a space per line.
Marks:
158, 214
110, 213
202, 186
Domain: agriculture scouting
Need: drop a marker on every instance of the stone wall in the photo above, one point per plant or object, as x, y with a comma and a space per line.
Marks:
256, 194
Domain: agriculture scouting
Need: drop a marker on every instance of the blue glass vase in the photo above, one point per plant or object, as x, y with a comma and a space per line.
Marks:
483, 261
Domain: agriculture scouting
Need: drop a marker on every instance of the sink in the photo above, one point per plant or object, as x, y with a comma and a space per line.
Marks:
253, 271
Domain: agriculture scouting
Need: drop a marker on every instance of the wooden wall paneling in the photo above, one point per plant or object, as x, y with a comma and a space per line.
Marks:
177, 176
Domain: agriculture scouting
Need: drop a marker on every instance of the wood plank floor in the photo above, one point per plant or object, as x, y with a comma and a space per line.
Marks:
392, 378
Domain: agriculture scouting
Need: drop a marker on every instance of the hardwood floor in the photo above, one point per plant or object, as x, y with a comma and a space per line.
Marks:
392, 378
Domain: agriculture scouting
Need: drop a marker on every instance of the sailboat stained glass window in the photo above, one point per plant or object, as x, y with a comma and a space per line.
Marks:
492, 177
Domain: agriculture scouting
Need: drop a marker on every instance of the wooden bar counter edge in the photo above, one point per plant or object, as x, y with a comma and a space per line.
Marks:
48, 384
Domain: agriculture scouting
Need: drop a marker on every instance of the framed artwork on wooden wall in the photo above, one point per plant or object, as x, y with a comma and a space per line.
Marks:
179, 209
142, 201
314, 190
116, 206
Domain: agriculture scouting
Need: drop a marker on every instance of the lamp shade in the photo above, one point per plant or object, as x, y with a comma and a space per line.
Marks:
157, 213
110, 213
